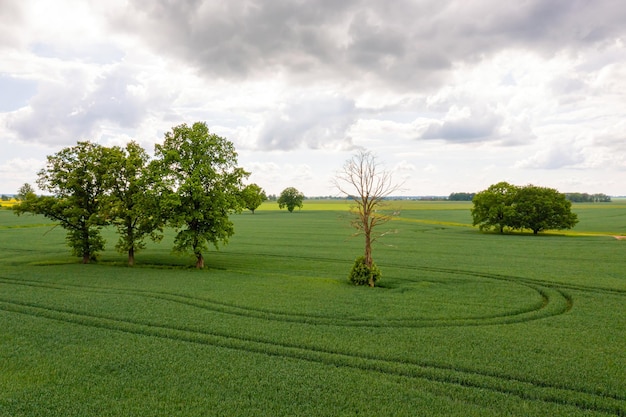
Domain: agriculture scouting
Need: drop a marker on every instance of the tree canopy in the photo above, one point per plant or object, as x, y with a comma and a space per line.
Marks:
253, 196
503, 206
204, 187
540, 208
135, 209
290, 198
78, 178
493, 207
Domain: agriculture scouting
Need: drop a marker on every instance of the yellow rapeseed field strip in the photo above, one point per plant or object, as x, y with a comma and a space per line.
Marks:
8, 203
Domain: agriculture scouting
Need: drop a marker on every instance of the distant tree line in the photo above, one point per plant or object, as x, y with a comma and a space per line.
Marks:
504, 206
192, 185
573, 197
461, 196
588, 198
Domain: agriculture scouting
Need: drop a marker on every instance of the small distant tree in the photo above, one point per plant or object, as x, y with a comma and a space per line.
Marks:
290, 198
493, 207
204, 187
78, 178
253, 196
25, 192
367, 184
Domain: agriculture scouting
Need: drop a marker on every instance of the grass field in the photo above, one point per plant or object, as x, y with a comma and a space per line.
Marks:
464, 323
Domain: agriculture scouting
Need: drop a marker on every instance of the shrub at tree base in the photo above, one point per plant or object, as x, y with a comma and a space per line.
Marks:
361, 273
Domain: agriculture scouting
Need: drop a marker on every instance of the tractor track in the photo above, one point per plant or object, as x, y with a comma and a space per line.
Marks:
525, 388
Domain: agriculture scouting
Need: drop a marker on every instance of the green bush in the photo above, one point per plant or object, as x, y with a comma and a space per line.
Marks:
361, 273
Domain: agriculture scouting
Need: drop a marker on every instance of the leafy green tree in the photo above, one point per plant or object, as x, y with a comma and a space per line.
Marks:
25, 192
78, 178
135, 210
363, 180
253, 196
290, 198
541, 208
493, 207
205, 185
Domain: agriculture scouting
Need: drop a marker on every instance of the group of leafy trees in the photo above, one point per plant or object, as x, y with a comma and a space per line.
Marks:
504, 206
192, 185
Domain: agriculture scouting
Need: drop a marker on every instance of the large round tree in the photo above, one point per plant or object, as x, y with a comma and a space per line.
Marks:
204, 187
493, 207
77, 180
290, 198
542, 208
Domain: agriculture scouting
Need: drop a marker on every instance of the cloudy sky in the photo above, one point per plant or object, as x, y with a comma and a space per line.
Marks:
451, 95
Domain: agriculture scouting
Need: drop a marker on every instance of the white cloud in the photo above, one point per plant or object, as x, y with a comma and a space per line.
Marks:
316, 122
554, 157
17, 171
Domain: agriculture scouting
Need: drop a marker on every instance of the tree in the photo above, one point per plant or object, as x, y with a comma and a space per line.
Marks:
493, 207
204, 187
536, 208
363, 180
253, 196
540, 208
78, 177
290, 198
135, 207
25, 192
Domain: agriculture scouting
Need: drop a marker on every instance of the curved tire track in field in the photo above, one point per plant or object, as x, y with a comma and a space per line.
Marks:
524, 388
553, 302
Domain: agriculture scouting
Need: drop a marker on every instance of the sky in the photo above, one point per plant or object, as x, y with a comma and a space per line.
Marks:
449, 95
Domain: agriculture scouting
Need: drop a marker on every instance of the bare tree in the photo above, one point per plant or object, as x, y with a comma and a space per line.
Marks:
364, 181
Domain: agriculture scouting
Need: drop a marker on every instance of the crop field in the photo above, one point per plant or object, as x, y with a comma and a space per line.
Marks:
464, 323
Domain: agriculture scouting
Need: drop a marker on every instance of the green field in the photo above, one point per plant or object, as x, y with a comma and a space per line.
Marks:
464, 323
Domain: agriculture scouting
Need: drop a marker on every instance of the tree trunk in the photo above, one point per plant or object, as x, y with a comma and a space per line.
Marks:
199, 261
131, 256
85, 258
368, 256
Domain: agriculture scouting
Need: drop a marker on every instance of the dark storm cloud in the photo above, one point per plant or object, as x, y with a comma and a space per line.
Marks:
401, 43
